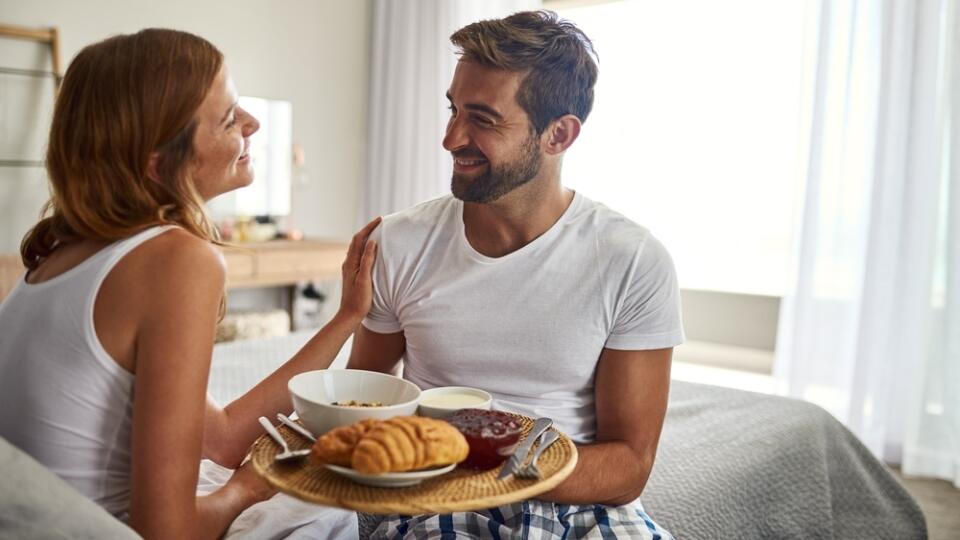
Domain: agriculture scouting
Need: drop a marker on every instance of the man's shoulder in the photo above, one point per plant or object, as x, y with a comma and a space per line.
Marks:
417, 223
610, 227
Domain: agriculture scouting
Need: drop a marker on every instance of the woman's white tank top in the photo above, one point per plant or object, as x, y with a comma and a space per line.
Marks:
65, 401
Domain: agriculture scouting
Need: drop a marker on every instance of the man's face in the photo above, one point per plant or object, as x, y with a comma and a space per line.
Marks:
494, 147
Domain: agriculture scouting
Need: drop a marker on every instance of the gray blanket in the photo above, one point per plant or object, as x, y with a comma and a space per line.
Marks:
734, 464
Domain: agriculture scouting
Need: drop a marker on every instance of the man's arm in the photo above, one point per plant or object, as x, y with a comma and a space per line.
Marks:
631, 401
376, 352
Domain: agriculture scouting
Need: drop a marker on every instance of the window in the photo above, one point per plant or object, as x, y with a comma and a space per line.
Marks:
695, 132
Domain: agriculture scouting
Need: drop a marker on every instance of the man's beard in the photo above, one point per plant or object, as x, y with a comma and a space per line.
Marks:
499, 180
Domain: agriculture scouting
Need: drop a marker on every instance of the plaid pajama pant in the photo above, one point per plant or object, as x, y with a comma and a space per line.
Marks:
527, 520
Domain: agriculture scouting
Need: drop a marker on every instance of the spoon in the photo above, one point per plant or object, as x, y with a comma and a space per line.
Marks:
287, 453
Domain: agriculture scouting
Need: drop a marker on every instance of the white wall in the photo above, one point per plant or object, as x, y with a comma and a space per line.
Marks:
314, 53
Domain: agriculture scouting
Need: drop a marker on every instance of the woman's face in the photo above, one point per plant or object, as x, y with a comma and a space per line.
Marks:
221, 160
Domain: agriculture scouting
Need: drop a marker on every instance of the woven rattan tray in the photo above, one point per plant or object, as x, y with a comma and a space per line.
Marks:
459, 490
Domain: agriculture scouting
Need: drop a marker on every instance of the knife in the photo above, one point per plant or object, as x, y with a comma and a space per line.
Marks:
296, 427
520, 454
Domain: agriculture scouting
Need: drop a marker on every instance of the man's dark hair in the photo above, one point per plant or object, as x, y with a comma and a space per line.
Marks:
558, 59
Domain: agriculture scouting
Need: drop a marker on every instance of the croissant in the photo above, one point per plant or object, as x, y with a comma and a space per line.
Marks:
407, 443
336, 446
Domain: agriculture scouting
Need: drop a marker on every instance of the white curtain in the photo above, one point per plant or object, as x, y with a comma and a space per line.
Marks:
870, 328
412, 64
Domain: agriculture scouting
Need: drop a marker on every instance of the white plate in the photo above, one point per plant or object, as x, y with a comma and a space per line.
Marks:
396, 479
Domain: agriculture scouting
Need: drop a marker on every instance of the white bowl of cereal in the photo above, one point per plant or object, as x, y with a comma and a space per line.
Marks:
330, 398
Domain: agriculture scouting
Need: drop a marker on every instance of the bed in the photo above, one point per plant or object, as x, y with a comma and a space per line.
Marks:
730, 463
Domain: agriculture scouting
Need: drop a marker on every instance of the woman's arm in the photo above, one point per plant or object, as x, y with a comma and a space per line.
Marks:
217, 510
176, 311
229, 431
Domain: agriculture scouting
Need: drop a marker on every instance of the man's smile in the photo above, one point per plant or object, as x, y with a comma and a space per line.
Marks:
467, 164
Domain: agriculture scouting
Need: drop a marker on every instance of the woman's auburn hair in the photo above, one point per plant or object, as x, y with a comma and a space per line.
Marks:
122, 100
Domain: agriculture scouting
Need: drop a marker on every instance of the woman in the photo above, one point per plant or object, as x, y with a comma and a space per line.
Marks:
105, 345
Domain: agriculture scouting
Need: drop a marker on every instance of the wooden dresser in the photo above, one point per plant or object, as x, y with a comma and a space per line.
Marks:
282, 262
267, 264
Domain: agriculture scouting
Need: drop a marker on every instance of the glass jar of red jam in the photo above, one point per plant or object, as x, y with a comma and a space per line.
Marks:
492, 436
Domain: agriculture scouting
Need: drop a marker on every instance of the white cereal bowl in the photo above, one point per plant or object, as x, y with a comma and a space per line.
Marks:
443, 401
314, 392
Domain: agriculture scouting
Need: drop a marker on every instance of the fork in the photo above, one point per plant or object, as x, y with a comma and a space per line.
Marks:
287, 453
531, 470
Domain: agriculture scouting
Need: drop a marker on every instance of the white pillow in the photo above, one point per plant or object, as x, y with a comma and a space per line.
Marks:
36, 503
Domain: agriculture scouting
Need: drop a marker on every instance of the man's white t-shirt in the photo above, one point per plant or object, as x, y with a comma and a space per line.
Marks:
528, 327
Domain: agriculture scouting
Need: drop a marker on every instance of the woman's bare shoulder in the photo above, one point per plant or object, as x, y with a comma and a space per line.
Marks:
179, 258
179, 245
167, 280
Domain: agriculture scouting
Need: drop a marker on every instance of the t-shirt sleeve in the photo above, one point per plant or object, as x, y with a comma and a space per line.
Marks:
382, 317
649, 315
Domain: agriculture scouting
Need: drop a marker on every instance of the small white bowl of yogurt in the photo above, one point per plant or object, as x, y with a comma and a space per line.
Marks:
443, 401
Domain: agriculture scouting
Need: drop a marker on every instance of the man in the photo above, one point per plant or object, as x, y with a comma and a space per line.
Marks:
553, 303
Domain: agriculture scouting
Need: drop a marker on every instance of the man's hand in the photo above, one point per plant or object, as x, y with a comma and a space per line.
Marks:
631, 391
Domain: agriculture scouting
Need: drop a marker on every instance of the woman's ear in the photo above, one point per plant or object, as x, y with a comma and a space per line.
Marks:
152, 166
561, 133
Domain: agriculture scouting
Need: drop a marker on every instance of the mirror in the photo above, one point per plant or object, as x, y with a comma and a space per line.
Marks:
271, 151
